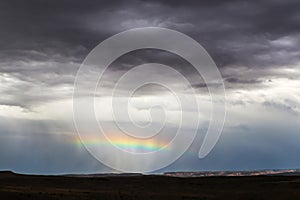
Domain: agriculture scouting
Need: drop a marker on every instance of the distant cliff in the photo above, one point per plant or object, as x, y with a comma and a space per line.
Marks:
286, 172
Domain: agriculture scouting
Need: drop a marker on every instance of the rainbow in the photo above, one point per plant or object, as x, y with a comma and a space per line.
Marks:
126, 143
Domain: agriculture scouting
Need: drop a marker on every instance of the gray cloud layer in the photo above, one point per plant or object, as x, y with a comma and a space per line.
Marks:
44, 42
256, 46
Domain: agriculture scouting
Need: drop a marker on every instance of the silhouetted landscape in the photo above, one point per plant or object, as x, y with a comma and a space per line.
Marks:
138, 186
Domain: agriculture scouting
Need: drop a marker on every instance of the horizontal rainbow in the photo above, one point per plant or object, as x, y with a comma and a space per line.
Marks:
126, 143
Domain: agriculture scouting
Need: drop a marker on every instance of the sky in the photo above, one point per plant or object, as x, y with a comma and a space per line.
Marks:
255, 45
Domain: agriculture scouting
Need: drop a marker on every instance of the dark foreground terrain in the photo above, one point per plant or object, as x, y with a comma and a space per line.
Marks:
14, 186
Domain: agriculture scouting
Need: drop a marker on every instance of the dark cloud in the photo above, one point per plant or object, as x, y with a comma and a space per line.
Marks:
237, 80
234, 32
252, 42
44, 42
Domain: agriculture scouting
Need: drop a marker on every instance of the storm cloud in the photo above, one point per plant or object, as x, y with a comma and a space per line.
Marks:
255, 44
